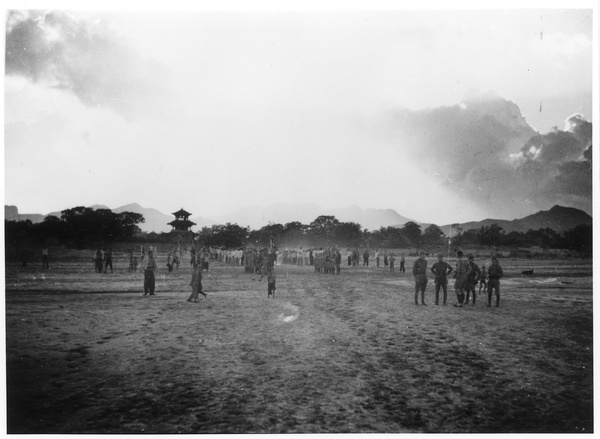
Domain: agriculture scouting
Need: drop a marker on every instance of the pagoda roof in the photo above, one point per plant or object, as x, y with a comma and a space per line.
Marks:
182, 222
181, 212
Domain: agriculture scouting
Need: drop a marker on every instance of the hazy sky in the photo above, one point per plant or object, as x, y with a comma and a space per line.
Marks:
443, 115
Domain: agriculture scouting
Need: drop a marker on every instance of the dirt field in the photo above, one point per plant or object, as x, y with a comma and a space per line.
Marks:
331, 354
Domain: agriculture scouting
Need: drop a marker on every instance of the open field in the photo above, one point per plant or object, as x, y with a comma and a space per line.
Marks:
337, 354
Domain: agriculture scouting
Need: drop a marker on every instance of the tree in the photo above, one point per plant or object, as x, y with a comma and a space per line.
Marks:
322, 229
348, 234
433, 235
228, 235
412, 232
491, 235
580, 239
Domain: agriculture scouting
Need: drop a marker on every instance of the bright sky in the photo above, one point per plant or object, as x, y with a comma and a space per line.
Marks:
224, 106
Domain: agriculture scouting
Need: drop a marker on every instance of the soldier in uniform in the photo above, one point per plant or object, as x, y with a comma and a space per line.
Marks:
494, 273
472, 279
420, 273
462, 269
441, 270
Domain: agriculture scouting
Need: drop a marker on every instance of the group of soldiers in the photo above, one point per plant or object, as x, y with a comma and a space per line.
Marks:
467, 275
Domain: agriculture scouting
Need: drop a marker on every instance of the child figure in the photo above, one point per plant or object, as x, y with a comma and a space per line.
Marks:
271, 283
196, 284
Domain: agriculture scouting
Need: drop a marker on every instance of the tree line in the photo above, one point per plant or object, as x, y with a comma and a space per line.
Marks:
82, 227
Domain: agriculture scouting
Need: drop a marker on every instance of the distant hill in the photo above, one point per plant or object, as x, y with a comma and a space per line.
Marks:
559, 219
156, 221
11, 213
282, 213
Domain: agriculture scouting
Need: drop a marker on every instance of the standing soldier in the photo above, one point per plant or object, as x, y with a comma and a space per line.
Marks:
130, 253
149, 269
338, 261
366, 258
402, 262
108, 260
462, 269
420, 273
385, 258
441, 270
494, 273
271, 283
98, 260
45, 254
472, 279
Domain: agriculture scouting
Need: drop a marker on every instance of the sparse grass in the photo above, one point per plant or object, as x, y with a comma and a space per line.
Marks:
331, 354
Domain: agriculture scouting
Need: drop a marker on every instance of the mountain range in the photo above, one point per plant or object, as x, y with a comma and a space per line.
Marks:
558, 218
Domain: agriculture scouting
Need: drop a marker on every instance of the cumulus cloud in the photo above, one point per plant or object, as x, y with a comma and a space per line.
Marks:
485, 150
58, 50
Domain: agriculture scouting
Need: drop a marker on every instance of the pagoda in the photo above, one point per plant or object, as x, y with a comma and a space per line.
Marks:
181, 222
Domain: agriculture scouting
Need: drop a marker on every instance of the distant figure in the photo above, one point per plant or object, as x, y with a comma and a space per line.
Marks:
45, 257
483, 280
377, 258
391, 261
472, 279
461, 271
494, 273
271, 283
385, 258
349, 257
149, 269
366, 258
338, 262
98, 258
196, 284
169, 262
441, 270
402, 262
108, 260
420, 274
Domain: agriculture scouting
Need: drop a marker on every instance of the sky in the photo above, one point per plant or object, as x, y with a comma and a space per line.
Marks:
445, 115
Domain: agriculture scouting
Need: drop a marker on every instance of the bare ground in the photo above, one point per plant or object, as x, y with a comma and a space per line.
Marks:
337, 354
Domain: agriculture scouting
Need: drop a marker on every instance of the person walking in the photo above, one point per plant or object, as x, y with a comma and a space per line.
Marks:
461, 271
472, 279
420, 273
441, 270
196, 284
149, 268
494, 273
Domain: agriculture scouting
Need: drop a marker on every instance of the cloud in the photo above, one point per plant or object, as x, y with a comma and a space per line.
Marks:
485, 150
84, 58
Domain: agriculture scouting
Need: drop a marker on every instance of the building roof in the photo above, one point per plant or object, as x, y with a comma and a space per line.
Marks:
182, 222
181, 212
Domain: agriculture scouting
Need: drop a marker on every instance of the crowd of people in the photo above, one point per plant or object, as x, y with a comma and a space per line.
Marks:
466, 273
